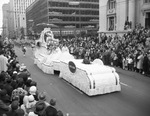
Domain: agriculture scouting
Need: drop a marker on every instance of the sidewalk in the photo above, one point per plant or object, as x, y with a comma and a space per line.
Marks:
129, 73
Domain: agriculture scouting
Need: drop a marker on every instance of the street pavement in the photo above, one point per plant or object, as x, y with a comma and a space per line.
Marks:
133, 100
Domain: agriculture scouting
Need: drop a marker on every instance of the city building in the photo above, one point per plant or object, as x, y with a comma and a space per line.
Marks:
65, 17
17, 17
122, 15
5, 28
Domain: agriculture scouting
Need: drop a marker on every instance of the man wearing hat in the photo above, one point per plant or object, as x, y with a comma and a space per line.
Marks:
19, 91
40, 108
3, 107
8, 86
33, 91
14, 108
51, 110
4, 96
42, 97
30, 105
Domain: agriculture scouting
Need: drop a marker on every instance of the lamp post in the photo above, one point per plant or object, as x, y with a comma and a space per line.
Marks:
77, 4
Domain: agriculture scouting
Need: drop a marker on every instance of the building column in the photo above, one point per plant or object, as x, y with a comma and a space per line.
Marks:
107, 28
127, 10
132, 12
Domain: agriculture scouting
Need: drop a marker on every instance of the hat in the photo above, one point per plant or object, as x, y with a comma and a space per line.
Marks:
53, 102
17, 65
59, 113
33, 83
31, 102
39, 107
42, 96
32, 114
31, 98
22, 67
148, 51
14, 105
3, 92
33, 90
8, 80
14, 72
29, 78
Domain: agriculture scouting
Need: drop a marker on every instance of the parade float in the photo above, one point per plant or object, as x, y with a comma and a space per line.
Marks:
93, 79
48, 54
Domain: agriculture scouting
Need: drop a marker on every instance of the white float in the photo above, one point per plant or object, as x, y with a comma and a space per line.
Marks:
92, 79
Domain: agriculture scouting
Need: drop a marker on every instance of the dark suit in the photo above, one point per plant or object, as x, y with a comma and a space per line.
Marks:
51, 111
3, 108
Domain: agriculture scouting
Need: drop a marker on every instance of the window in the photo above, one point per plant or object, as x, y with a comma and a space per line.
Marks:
111, 4
111, 23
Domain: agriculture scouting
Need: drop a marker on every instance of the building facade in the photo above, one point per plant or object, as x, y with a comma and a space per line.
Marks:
5, 27
143, 13
65, 16
122, 15
17, 14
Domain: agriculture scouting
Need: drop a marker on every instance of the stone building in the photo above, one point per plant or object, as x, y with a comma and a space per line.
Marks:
120, 16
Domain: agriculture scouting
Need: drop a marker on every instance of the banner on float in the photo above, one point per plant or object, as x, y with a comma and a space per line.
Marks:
72, 66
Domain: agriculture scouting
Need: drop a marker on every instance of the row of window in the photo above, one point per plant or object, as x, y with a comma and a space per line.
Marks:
72, 12
146, 1
63, 32
84, 19
112, 3
64, 4
18, 1
87, 0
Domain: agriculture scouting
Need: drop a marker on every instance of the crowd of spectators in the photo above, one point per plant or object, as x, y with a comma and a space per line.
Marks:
19, 94
130, 51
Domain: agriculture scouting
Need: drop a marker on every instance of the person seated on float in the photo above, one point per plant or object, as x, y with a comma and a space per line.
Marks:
65, 48
86, 60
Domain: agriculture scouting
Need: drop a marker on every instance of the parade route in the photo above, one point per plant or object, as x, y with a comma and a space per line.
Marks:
133, 100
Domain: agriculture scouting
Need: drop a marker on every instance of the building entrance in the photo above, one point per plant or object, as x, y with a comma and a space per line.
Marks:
147, 20
111, 25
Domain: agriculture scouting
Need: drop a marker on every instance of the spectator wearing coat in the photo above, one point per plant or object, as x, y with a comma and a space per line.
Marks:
3, 61
140, 62
146, 64
3, 107
51, 110
14, 108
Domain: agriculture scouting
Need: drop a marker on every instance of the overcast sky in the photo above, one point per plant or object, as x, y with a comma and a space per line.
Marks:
1, 14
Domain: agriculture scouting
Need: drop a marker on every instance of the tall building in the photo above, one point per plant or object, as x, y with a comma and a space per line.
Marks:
122, 15
17, 13
5, 27
64, 16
